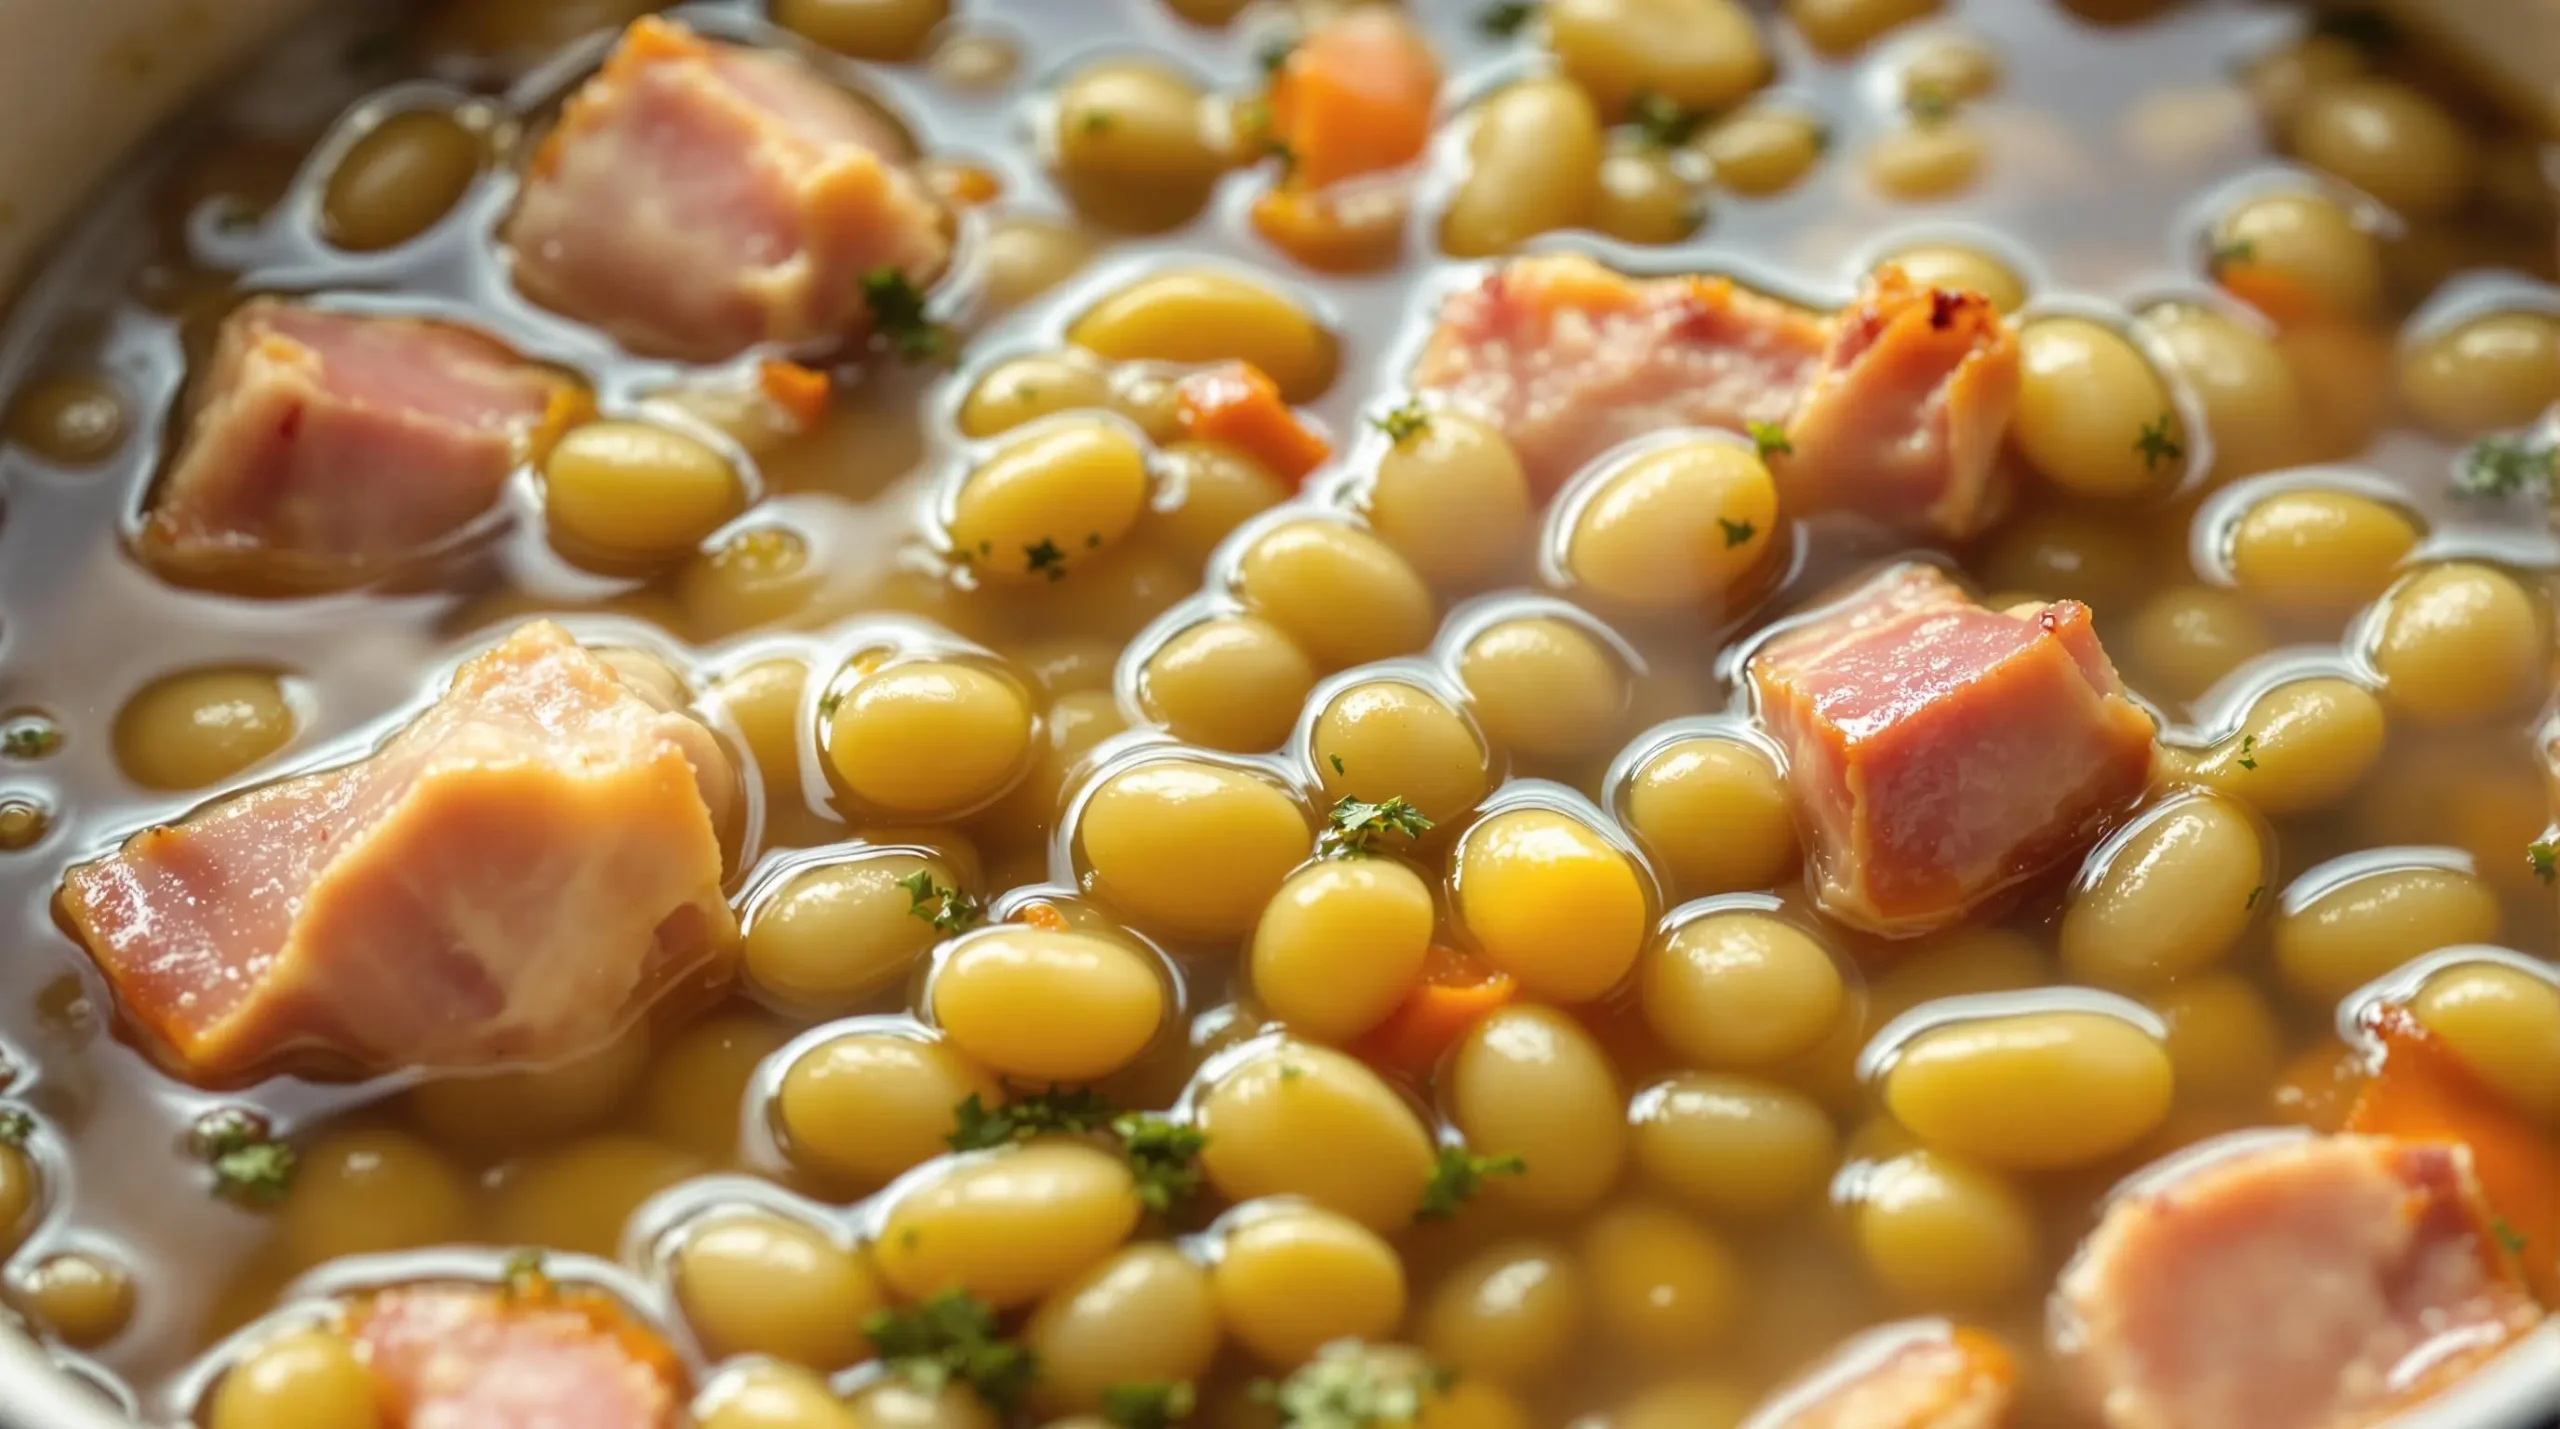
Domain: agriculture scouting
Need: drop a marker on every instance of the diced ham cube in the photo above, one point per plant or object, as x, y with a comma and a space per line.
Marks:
512, 878
1940, 752
1908, 1377
698, 198
324, 444
489, 1357
2321, 1284
1895, 408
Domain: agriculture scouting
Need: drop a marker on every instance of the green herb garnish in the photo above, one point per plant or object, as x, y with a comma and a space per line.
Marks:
2503, 466
1045, 557
1095, 121
1336, 761
1505, 20
2507, 1235
1157, 1404
952, 1337
1927, 103
1458, 1177
16, 1126
1661, 120
1736, 532
1347, 1386
944, 907
1410, 420
898, 315
2157, 445
1164, 1156
251, 1166
2254, 895
1273, 56
2228, 252
1059, 1109
2544, 858
1354, 823
1771, 439
30, 739
2248, 751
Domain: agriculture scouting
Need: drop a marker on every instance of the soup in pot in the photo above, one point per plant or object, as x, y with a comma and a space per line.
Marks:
1630, 714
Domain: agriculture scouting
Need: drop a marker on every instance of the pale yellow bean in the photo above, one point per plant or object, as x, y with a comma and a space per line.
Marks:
1838, 25
2390, 140
2252, 405
1528, 1081
1192, 848
1732, 1145
1208, 315
1344, 595
2461, 643
1511, 1314
1761, 150
1552, 903
1970, 270
1132, 146
1663, 1288
1011, 1226
2306, 239
2330, 945
399, 180
2493, 372
1544, 687
2032, 1090
1232, 682
198, 728
1262, 1115
2504, 1023
2093, 417
1046, 1005
1341, 945
2223, 1040
1677, 528
1146, 1315
864, 1108
1453, 500
1933, 160
300, 1379
1740, 989
1291, 1279
1534, 167
928, 737
2304, 745
1049, 501
1713, 815
1939, 1232
1389, 739
835, 935
1696, 54
2171, 899
758, 1283
2187, 637
761, 1394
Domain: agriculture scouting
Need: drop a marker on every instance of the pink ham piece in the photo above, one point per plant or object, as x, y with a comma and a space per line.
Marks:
2327, 1283
1940, 752
1895, 408
510, 879
324, 444
1914, 1377
698, 198
488, 1357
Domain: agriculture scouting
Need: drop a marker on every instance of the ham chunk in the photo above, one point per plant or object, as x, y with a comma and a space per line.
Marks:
512, 878
698, 198
329, 442
1931, 1376
1894, 408
1940, 752
2320, 1284
489, 1357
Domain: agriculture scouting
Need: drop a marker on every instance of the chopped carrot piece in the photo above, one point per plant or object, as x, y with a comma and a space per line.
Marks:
1457, 990
800, 392
1237, 404
1044, 917
2425, 1092
963, 185
1349, 228
1354, 97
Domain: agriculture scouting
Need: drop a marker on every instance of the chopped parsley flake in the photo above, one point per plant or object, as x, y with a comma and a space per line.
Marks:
2503, 466
1291, 1071
251, 1166
1354, 823
2254, 895
1336, 761
1157, 1404
1661, 120
2157, 444
1736, 532
523, 1274
898, 315
2507, 1235
944, 907
1505, 20
829, 703
952, 1337
1348, 1386
977, 1127
1771, 439
2543, 856
30, 739
1458, 1177
1927, 103
2248, 751
1045, 557
1095, 121
15, 1126
1409, 420
2229, 252
1164, 1157
1274, 54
